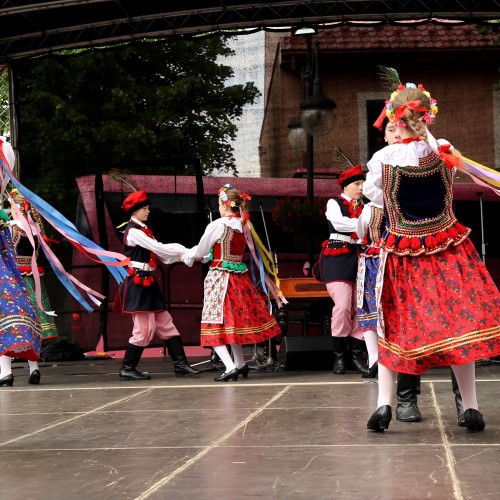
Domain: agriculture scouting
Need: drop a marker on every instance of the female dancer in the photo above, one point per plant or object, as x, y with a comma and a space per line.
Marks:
438, 304
24, 255
20, 330
234, 313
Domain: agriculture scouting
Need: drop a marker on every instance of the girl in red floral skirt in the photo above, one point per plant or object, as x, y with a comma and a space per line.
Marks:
437, 304
234, 313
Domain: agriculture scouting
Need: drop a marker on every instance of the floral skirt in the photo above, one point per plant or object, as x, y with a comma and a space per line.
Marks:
438, 310
367, 315
48, 323
20, 331
246, 316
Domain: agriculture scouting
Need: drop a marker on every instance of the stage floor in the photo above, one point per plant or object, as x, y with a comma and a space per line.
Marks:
84, 434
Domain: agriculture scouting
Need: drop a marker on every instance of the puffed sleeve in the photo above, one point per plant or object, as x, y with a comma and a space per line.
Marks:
372, 187
212, 233
340, 222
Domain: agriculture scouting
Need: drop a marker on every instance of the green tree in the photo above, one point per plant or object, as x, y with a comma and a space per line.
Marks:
145, 101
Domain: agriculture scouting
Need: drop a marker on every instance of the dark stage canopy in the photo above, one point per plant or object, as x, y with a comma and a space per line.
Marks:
31, 27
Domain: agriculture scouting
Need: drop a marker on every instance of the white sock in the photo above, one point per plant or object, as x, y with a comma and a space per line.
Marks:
239, 359
33, 366
466, 379
225, 357
5, 366
371, 341
386, 385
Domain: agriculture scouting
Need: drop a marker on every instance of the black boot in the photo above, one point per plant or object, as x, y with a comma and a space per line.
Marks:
458, 401
130, 361
407, 392
339, 353
178, 356
358, 363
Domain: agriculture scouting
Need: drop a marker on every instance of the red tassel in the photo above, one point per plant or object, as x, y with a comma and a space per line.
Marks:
404, 243
354, 236
415, 243
151, 279
442, 237
146, 282
131, 271
452, 232
324, 244
152, 263
137, 280
460, 228
391, 240
431, 242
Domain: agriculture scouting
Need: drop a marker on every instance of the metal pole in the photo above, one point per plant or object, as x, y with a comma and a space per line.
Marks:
483, 244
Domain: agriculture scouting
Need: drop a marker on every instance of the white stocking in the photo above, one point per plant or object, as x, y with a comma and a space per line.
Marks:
5, 366
386, 385
33, 366
225, 357
466, 379
239, 359
371, 341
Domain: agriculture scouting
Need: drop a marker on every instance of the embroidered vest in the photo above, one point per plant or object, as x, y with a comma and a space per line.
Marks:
418, 207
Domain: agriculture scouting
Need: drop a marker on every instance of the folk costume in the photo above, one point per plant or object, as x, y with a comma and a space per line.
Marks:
234, 312
140, 294
434, 288
437, 304
337, 267
20, 329
24, 260
371, 224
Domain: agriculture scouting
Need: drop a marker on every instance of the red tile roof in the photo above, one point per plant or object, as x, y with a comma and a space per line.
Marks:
425, 36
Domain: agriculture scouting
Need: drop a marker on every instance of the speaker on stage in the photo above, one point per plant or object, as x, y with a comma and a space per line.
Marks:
306, 353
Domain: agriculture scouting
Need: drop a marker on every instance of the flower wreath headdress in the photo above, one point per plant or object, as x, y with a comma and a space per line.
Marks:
390, 80
225, 199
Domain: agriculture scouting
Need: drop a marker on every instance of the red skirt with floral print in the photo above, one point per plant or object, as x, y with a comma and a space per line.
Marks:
246, 316
439, 310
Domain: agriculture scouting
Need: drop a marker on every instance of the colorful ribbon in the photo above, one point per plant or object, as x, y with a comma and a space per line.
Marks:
413, 105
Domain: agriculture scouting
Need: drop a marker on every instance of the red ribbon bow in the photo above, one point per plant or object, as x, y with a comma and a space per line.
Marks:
449, 159
414, 105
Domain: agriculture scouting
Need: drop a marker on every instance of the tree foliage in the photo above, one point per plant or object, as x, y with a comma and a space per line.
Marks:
140, 102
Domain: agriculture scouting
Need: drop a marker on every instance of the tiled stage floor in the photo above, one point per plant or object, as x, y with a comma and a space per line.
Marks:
84, 434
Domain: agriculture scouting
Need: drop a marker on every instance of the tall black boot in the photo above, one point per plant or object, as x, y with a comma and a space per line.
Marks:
339, 353
358, 362
176, 352
407, 392
458, 401
131, 359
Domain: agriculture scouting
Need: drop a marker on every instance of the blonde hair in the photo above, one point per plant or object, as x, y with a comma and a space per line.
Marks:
413, 117
237, 202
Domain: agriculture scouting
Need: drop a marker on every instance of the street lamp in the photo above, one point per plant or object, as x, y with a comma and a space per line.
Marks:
316, 119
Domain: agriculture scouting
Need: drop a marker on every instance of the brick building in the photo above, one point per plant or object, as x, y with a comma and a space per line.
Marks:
457, 64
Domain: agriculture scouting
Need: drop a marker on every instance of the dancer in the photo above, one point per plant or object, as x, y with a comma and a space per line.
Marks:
371, 224
234, 313
438, 304
24, 256
140, 295
20, 330
337, 267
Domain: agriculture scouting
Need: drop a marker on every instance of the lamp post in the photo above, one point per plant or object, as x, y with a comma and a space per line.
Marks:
316, 119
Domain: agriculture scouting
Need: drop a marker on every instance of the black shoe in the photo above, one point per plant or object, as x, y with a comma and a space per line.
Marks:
185, 370
407, 411
372, 371
380, 420
339, 363
474, 420
7, 380
233, 374
34, 377
358, 363
243, 371
461, 419
133, 374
